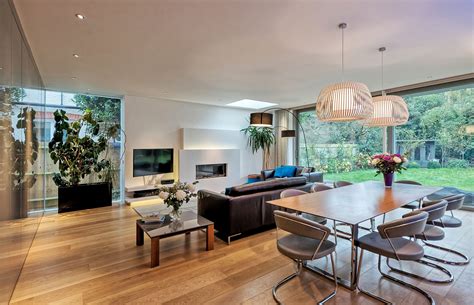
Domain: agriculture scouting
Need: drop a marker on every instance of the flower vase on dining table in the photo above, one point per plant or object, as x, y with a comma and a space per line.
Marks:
387, 164
388, 180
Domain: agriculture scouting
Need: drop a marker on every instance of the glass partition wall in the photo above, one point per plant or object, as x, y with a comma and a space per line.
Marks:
19, 152
438, 140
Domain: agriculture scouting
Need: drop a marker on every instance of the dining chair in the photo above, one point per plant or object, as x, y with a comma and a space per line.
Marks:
306, 241
292, 193
435, 211
412, 205
342, 183
455, 202
391, 241
318, 187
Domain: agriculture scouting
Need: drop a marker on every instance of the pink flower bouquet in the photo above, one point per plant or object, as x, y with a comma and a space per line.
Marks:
388, 163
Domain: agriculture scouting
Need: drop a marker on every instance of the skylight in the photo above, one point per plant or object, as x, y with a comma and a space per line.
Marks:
252, 104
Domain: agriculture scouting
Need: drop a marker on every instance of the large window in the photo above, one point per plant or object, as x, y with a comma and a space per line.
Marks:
438, 140
43, 193
340, 150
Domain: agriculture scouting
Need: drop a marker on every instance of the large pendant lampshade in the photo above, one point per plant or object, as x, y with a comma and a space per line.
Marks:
389, 110
345, 101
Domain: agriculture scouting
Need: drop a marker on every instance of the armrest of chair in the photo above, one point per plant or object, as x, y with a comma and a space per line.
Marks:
313, 177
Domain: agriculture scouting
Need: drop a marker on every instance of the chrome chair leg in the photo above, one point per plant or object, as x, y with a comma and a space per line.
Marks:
335, 231
299, 266
376, 297
460, 263
400, 282
333, 293
445, 271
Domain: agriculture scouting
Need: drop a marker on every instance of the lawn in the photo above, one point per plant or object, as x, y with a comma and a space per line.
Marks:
461, 178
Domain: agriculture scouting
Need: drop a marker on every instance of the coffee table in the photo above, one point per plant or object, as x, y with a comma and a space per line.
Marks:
189, 222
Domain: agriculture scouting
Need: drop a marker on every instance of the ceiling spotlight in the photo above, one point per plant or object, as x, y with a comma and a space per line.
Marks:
75, 55
81, 17
73, 77
1, 68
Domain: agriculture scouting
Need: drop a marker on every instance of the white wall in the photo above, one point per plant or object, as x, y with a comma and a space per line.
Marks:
157, 123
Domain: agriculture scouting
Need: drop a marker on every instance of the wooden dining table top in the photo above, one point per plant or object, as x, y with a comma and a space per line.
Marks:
356, 203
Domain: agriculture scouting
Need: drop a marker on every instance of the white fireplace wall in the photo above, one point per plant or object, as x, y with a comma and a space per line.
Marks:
189, 158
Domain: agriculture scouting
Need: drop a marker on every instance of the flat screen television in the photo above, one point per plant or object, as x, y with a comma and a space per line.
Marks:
148, 162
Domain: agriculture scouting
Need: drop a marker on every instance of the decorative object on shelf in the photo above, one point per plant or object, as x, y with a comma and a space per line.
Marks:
388, 164
79, 156
389, 110
344, 101
176, 195
265, 120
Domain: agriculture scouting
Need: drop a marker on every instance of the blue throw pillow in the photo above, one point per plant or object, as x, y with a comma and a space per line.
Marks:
285, 171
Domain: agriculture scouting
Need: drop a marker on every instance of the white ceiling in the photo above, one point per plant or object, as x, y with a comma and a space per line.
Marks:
221, 51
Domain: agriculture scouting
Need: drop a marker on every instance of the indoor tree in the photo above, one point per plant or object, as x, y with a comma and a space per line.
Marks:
260, 138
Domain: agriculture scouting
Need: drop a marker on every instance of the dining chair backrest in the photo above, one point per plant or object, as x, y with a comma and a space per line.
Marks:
291, 193
300, 226
408, 182
342, 183
318, 187
435, 210
455, 202
408, 226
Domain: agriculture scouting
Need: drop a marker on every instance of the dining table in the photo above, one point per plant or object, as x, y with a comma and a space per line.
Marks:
352, 205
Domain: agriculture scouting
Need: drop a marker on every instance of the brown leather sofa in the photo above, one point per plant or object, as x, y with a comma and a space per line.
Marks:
311, 175
244, 208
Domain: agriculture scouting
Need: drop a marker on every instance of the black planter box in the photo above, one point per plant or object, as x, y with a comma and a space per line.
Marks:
84, 196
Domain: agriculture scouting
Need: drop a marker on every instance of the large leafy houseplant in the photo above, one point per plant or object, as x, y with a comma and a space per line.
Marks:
78, 148
260, 138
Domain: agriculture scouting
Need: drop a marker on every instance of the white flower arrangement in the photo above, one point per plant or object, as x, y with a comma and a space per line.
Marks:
176, 195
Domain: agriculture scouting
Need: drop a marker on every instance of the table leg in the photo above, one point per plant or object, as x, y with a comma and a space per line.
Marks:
210, 237
140, 236
155, 252
355, 235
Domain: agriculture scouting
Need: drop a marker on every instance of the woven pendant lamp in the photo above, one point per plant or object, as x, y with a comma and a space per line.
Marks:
345, 101
389, 110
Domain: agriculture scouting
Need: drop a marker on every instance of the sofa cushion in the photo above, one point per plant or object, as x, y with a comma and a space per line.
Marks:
285, 171
263, 186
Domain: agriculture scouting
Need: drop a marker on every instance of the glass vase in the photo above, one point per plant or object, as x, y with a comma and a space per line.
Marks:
175, 214
388, 180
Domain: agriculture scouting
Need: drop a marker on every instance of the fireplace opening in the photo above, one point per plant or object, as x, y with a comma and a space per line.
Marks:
206, 171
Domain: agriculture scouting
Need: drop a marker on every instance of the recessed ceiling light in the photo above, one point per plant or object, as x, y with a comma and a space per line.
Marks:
73, 77
80, 16
75, 55
1, 68
252, 104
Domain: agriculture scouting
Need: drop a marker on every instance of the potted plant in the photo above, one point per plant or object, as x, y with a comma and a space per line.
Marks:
78, 149
260, 138
387, 164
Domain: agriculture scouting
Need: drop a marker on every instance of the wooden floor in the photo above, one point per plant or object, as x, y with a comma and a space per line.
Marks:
91, 257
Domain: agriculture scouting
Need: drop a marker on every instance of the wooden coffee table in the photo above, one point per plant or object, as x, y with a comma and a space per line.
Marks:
189, 222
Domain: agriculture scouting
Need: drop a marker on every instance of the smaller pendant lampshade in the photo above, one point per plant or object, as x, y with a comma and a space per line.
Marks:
346, 101
389, 110
261, 119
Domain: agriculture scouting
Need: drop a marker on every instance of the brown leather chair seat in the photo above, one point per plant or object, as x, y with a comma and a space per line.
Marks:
406, 249
302, 248
431, 233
